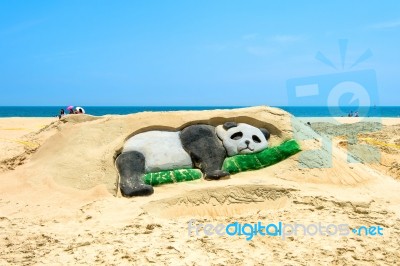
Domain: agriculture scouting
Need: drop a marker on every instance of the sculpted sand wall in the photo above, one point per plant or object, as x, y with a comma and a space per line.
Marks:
82, 153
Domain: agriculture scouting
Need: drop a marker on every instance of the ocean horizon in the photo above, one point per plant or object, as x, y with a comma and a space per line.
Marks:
299, 111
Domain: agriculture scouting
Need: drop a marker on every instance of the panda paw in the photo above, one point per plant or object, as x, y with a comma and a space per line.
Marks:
138, 190
217, 175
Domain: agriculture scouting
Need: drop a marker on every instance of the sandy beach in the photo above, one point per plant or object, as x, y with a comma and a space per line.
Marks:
60, 205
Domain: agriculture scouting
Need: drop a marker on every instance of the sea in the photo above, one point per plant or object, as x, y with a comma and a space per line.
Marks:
299, 111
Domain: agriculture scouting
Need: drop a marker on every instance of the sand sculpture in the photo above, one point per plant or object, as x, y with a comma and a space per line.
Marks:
156, 157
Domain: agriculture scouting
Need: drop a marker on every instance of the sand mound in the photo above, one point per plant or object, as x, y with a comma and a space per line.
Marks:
56, 207
81, 153
21, 137
373, 143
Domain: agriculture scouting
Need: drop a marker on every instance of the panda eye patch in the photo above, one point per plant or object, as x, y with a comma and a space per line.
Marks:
256, 139
237, 136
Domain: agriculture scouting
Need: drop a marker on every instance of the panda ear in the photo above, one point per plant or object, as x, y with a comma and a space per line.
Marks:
266, 133
229, 125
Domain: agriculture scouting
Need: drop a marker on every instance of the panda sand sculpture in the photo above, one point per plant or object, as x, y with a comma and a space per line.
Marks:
202, 146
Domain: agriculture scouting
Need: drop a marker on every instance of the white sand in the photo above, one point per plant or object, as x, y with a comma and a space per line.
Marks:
58, 205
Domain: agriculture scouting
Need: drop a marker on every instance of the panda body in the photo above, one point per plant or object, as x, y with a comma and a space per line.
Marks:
201, 146
162, 149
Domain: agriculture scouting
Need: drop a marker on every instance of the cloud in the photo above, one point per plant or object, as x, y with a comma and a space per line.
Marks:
267, 46
280, 38
287, 38
216, 47
386, 25
260, 50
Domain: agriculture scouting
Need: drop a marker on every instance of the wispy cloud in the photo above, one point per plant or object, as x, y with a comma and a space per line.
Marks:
280, 38
269, 45
287, 38
216, 47
257, 44
386, 25
260, 50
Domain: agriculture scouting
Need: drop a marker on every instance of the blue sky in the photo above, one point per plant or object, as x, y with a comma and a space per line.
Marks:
189, 52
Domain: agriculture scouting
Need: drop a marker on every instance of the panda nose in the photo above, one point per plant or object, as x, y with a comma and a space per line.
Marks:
247, 142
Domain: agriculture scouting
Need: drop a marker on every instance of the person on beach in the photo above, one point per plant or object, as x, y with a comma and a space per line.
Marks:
79, 110
62, 113
356, 114
70, 109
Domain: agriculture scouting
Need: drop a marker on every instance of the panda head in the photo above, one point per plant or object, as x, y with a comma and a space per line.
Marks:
242, 138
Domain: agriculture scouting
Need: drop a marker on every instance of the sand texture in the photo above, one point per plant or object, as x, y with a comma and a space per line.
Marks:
59, 200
